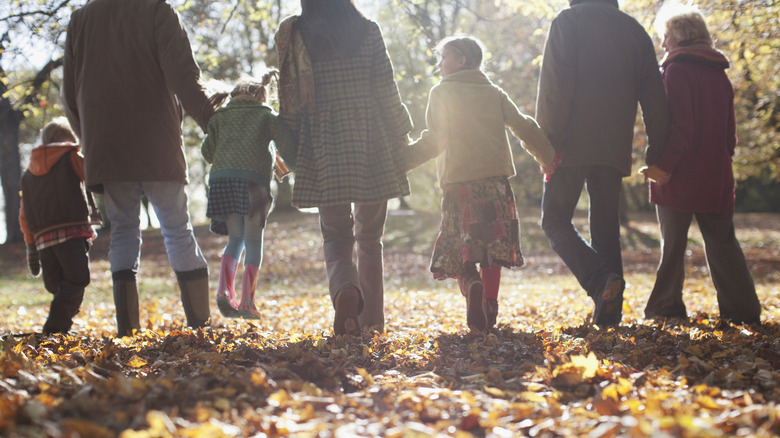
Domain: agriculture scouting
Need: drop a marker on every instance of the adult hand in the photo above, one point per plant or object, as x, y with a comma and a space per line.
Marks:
656, 174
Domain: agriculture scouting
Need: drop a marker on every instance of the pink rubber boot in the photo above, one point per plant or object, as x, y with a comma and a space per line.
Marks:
247, 307
226, 293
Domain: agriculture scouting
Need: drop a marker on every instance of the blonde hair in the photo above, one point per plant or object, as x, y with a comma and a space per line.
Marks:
684, 23
58, 131
466, 46
258, 90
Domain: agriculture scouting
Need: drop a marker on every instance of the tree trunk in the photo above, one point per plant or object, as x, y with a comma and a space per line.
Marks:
10, 166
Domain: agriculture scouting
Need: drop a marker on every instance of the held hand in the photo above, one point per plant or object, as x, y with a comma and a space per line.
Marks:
33, 261
549, 170
656, 174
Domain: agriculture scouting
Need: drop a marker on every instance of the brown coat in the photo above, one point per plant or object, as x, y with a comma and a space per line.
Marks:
598, 63
128, 70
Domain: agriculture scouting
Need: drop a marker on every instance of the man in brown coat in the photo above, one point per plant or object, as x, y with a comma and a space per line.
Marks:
128, 70
598, 63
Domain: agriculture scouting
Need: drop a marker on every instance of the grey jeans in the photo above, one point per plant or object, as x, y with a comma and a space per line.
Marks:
341, 231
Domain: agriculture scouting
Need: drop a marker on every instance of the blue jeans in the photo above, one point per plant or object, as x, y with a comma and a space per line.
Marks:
591, 263
123, 208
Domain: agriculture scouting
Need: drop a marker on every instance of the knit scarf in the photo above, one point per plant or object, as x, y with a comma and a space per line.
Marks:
695, 50
296, 76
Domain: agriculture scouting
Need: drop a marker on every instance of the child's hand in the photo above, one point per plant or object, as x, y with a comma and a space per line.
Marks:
33, 261
656, 174
549, 170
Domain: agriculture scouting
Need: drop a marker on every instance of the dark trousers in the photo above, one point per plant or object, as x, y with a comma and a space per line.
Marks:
728, 268
591, 263
65, 269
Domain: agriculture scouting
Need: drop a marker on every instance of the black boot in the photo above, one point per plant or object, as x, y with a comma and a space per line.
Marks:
126, 302
194, 287
64, 307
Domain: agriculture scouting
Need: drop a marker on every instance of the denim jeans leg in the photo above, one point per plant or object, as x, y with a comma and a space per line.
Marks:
369, 228
123, 208
338, 243
604, 185
171, 207
559, 200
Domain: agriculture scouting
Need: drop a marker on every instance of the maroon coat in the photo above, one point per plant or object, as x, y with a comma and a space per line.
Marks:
701, 145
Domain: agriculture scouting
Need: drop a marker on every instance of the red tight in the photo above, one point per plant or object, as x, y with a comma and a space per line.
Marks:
491, 278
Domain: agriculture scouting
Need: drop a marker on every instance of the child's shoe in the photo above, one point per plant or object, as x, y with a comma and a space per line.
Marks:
475, 307
57, 323
473, 289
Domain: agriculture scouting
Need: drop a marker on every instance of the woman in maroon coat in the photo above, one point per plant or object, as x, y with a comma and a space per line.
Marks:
694, 175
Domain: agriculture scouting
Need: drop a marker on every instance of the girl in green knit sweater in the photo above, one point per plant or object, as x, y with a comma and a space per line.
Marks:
238, 146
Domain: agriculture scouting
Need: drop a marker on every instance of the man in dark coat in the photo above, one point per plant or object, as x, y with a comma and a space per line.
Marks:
128, 70
598, 63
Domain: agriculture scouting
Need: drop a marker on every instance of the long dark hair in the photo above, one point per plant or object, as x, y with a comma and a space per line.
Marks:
332, 28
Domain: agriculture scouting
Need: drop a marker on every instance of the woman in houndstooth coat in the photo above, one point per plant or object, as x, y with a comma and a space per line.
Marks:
350, 141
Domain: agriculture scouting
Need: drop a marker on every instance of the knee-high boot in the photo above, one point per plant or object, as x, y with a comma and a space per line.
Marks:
247, 309
226, 292
126, 302
194, 286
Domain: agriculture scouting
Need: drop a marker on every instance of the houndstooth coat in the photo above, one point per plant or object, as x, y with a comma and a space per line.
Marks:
350, 143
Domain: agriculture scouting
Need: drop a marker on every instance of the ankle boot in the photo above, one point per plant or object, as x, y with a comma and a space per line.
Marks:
64, 307
194, 286
247, 307
471, 287
348, 304
126, 302
226, 292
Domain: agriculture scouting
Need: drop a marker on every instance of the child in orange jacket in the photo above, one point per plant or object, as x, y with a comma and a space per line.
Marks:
57, 220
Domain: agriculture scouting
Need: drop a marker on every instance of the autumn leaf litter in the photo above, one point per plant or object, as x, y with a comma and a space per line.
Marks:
543, 372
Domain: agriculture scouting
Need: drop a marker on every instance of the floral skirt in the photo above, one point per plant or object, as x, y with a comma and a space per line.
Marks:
237, 196
478, 225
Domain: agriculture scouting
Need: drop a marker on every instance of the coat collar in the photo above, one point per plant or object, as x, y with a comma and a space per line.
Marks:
698, 51
469, 75
243, 102
610, 2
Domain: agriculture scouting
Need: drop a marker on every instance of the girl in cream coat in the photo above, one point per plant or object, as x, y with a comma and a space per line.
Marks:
467, 116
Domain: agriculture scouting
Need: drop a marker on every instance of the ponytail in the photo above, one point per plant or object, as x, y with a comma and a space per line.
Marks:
218, 99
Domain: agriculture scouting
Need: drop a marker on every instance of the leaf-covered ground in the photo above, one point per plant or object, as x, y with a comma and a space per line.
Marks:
544, 372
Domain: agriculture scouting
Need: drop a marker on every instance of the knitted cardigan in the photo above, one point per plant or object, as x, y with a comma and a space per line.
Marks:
238, 142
